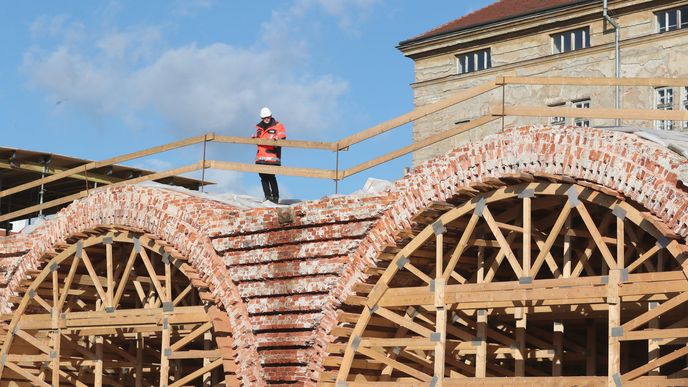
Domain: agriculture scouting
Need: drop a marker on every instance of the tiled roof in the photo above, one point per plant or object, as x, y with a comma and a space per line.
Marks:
497, 11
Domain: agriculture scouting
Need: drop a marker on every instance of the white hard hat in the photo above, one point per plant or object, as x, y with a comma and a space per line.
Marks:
265, 112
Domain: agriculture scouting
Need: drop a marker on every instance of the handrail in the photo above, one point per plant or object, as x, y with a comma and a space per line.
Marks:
106, 162
497, 111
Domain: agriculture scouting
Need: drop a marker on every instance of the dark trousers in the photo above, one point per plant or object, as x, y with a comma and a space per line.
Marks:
270, 189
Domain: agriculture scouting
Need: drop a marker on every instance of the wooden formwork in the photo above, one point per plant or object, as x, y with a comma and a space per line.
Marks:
543, 281
116, 307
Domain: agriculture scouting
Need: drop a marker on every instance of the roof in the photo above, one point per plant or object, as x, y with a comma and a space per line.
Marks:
498, 11
19, 166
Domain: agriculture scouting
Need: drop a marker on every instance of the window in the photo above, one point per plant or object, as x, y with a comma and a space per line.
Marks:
571, 40
664, 100
581, 104
557, 120
474, 61
672, 19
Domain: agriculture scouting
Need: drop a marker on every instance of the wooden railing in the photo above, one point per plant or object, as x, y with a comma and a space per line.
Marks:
499, 110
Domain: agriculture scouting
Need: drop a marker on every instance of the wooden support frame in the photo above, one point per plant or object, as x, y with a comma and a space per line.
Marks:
503, 316
99, 331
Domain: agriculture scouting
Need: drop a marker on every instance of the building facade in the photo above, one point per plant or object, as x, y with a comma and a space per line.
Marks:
561, 38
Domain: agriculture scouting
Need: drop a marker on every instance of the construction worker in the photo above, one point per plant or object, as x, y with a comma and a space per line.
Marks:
269, 129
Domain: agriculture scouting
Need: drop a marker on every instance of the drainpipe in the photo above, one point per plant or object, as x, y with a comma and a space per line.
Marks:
617, 55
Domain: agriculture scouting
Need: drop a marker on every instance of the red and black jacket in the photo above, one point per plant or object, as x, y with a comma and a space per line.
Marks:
268, 154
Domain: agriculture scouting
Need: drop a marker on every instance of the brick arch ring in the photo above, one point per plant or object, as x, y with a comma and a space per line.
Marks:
617, 163
166, 220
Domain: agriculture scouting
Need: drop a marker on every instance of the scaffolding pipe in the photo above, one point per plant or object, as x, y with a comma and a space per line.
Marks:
617, 54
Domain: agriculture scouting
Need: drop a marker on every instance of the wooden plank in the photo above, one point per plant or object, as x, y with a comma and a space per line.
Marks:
460, 247
627, 114
596, 236
92, 273
82, 194
440, 310
651, 314
106, 162
511, 257
191, 336
401, 321
275, 170
152, 274
121, 285
631, 375
593, 81
184, 380
285, 143
549, 242
382, 358
26, 374
417, 145
417, 113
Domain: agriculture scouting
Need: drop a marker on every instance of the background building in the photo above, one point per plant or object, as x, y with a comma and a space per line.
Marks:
560, 38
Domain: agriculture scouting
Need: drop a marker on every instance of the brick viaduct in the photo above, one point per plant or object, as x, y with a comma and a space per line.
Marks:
281, 274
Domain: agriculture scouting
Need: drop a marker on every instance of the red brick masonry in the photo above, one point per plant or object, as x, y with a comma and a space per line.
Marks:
281, 273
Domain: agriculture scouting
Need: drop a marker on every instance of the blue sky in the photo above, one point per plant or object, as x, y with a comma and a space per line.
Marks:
96, 79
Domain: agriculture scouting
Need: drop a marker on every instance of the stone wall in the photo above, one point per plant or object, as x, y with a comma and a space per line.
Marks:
526, 50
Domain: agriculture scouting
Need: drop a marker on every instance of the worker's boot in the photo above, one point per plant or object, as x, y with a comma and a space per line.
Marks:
274, 199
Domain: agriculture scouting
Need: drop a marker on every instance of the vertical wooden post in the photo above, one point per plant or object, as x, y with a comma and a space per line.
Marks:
98, 371
481, 350
652, 344
164, 355
566, 272
110, 276
527, 231
56, 333
614, 305
139, 354
440, 309
520, 351
558, 336
207, 377
591, 348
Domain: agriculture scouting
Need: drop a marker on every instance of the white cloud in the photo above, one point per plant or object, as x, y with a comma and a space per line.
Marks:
193, 88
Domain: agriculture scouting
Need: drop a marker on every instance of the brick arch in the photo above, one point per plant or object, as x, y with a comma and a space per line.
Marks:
170, 216
636, 168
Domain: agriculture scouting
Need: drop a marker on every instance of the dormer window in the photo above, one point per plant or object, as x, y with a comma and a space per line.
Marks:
571, 40
473, 61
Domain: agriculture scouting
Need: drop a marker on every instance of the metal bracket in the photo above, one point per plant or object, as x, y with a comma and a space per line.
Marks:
435, 337
480, 207
396, 350
663, 242
373, 309
167, 306
32, 293
432, 285
165, 323
168, 352
109, 309
476, 341
433, 381
573, 197
356, 342
137, 245
166, 258
79, 249
619, 212
403, 260
3, 359
54, 266
617, 331
438, 228
525, 280
526, 193
342, 384
623, 275
604, 279
481, 312
53, 354
617, 379
107, 240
